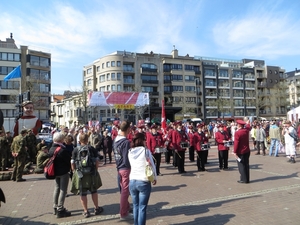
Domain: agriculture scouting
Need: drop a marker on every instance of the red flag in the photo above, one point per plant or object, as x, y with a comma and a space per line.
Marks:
163, 116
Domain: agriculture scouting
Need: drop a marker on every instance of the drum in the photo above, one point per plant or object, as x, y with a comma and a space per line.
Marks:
205, 146
228, 143
185, 145
160, 150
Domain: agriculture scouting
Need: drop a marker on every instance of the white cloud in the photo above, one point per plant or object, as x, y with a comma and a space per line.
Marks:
265, 33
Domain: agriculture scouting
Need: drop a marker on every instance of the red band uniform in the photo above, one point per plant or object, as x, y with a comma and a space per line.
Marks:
221, 139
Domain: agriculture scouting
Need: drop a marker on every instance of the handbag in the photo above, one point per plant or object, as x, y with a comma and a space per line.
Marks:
148, 170
49, 168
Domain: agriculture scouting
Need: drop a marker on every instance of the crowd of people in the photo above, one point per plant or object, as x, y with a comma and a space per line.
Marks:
79, 151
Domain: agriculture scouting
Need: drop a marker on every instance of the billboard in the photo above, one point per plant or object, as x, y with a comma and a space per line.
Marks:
121, 100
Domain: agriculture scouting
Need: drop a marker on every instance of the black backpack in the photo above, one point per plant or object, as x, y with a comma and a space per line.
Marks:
85, 161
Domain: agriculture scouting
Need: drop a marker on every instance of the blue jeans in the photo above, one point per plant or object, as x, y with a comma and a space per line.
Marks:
276, 143
140, 194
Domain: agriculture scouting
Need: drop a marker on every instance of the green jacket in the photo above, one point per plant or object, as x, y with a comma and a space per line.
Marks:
18, 145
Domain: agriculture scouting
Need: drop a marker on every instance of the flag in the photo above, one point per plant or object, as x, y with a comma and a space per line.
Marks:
163, 116
16, 73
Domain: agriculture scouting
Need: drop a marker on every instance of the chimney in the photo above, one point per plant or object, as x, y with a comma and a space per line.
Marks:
11, 35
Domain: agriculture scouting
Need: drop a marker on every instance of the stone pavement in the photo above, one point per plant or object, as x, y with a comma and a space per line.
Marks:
211, 197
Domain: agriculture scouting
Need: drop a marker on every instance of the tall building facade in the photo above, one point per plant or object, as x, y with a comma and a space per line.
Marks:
36, 79
208, 88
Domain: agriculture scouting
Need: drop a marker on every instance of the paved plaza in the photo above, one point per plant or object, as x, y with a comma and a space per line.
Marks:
211, 197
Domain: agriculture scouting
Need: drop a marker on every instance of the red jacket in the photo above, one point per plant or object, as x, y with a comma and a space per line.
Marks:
198, 141
241, 141
220, 137
154, 141
191, 138
114, 133
177, 138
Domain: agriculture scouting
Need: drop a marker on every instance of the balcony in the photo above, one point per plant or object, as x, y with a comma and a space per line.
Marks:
167, 81
154, 93
148, 71
128, 81
261, 75
262, 84
150, 81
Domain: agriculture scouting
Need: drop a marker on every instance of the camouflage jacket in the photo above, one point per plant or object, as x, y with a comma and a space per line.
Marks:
18, 145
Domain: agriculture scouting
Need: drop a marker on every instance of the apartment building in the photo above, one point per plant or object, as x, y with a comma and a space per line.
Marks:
36, 79
293, 80
204, 87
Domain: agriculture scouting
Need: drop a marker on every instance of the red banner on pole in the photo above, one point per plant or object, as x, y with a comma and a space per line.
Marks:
163, 116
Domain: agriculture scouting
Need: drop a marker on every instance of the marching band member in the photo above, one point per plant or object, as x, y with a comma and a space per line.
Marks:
199, 150
204, 133
222, 137
114, 131
154, 144
192, 142
168, 144
179, 139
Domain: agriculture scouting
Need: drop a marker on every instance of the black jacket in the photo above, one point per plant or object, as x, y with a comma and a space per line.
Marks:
62, 161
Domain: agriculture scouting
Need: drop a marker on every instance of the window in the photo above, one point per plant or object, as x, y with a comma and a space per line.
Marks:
113, 87
177, 88
190, 88
10, 85
239, 112
89, 82
238, 93
149, 89
188, 67
39, 61
223, 73
118, 76
119, 87
102, 65
177, 77
113, 63
190, 99
108, 87
210, 82
209, 72
148, 77
128, 67
107, 64
167, 89
108, 77
118, 63
102, 78
113, 76
223, 83
4, 70
239, 102
89, 71
98, 69
189, 78
176, 66
4, 56
102, 88
10, 56
237, 74
167, 77
238, 84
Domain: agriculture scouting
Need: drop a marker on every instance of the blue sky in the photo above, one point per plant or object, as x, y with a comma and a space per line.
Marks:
77, 32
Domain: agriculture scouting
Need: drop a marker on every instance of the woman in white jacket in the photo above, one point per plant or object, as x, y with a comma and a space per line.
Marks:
139, 186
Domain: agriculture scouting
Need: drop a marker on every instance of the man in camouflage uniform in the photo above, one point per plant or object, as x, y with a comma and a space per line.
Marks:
19, 152
3, 150
42, 159
40, 145
31, 145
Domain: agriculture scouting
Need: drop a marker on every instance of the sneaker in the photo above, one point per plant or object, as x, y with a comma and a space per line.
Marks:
86, 214
63, 213
293, 160
98, 210
128, 217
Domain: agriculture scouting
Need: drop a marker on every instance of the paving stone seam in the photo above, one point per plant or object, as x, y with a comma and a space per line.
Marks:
198, 203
